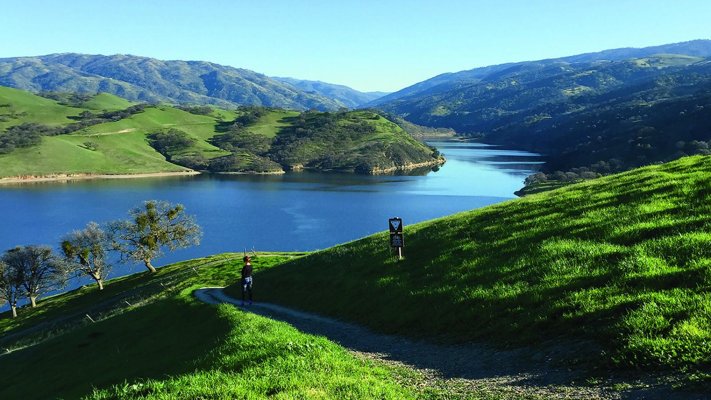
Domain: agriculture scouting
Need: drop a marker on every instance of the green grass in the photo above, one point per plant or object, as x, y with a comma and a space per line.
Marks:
106, 102
270, 124
172, 346
199, 127
125, 154
623, 261
18, 106
117, 147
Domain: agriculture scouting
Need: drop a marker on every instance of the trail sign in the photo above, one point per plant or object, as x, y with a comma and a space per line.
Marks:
395, 225
397, 240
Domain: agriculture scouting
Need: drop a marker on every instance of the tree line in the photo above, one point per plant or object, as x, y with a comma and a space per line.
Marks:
33, 270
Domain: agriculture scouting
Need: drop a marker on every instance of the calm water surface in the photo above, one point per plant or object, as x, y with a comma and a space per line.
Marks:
295, 211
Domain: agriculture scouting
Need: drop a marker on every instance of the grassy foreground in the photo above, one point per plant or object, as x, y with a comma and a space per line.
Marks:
623, 262
169, 345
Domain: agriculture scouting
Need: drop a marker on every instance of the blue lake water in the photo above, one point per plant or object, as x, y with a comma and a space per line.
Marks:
295, 211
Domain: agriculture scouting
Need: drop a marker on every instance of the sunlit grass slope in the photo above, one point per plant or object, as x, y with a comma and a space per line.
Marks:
106, 102
119, 147
127, 153
18, 106
169, 345
623, 261
270, 123
199, 127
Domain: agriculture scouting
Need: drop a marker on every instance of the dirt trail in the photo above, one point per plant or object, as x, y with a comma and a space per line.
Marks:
467, 368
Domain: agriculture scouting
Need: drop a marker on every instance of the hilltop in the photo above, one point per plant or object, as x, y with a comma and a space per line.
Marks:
74, 134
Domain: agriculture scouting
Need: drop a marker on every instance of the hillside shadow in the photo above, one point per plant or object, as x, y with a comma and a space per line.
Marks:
147, 343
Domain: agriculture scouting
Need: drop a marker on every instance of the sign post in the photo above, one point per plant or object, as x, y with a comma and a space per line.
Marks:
397, 239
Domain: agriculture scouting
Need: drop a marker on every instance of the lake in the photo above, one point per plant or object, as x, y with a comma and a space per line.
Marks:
295, 211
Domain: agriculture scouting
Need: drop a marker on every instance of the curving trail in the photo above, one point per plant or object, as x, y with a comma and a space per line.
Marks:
465, 369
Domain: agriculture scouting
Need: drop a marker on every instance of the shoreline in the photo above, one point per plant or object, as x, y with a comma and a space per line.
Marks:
25, 179
80, 177
409, 167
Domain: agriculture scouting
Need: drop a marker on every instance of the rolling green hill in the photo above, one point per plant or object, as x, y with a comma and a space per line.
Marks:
18, 106
619, 265
150, 80
104, 134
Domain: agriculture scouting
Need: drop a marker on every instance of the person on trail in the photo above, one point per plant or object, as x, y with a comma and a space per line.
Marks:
247, 279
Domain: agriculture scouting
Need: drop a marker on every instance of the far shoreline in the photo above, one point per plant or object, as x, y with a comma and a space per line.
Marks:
18, 180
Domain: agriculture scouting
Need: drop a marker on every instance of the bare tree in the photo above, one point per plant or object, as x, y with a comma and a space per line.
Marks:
156, 225
85, 252
9, 286
38, 269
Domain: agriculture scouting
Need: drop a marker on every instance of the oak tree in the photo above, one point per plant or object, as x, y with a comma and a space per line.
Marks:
85, 252
151, 228
37, 268
9, 286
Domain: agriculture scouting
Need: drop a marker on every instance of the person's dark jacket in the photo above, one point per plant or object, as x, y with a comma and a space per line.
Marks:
247, 271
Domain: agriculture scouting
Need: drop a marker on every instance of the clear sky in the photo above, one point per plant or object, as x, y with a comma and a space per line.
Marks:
368, 45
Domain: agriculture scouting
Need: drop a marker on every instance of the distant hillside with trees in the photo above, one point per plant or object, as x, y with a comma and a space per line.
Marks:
589, 115
63, 134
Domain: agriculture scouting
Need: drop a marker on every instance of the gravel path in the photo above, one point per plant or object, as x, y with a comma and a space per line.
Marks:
462, 369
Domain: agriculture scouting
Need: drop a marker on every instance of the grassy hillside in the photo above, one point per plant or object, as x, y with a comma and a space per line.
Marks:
118, 147
169, 345
272, 122
18, 106
361, 141
106, 102
103, 134
621, 263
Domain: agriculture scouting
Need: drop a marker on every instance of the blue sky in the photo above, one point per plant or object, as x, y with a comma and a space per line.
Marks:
368, 45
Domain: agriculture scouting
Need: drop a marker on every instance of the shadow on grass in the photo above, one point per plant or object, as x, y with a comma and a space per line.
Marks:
163, 338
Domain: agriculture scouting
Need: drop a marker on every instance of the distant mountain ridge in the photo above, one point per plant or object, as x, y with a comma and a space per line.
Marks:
348, 97
592, 114
448, 81
151, 80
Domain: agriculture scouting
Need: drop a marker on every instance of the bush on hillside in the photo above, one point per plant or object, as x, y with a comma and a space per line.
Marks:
169, 142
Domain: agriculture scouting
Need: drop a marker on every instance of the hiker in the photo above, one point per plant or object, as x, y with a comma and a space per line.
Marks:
247, 279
